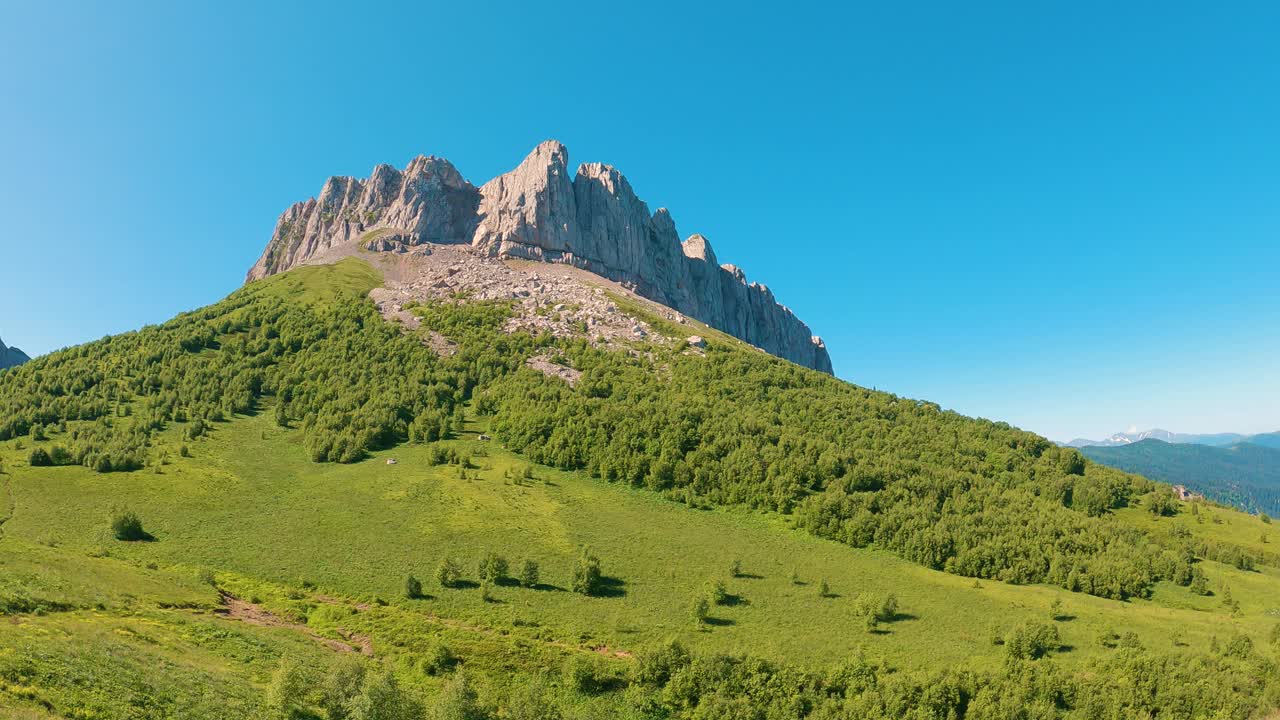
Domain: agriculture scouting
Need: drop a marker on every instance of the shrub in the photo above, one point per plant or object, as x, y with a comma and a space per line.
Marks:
700, 610
286, 690
824, 590
1239, 647
438, 658
655, 666
587, 578
381, 698
1032, 640
735, 568
583, 674
492, 568
529, 575
716, 593
530, 699
125, 525
40, 458
412, 588
341, 683
448, 574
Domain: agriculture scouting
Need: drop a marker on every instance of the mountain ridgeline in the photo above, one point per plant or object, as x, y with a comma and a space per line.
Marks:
1246, 475
590, 219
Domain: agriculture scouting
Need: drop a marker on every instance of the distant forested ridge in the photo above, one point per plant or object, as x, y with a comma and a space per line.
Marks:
1246, 475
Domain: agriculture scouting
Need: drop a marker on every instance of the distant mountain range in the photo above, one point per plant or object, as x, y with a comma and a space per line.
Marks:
1212, 439
1243, 474
10, 356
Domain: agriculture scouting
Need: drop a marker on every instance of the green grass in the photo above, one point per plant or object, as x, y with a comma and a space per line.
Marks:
249, 506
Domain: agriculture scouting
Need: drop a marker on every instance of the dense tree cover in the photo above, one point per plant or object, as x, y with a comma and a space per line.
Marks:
967, 496
350, 381
669, 681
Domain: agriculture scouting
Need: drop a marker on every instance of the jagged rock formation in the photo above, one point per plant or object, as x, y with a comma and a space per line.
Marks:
11, 356
592, 220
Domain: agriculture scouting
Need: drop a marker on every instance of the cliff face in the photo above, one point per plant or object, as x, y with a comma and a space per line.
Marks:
11, 356
591, 219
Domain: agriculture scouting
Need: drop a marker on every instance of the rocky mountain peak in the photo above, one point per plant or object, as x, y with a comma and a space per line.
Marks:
593, 220
11, 356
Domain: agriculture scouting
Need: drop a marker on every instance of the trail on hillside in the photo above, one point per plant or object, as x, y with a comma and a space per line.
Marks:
234, 608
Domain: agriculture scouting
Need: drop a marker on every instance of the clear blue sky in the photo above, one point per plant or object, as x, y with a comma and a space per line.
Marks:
1063, 215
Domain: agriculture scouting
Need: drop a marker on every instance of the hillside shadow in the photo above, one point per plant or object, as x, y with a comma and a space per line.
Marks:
719, 622
748, 576
734, 601
902, 617
547, 587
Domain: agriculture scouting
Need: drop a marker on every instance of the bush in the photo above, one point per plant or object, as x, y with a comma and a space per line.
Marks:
286, 690
587, 578
448, 574
341, 684
583, 674
458, 701
529, 574
492, 568
381, 698
1032, 640
700, 610
655, 666
126, 525
716, 593
530, 699
735, 568
412, 588
40, 458
438, 659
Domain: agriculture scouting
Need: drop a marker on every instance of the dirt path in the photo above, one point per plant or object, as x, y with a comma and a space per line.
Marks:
234, 608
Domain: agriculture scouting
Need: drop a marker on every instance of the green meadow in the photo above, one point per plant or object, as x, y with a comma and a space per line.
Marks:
330, 546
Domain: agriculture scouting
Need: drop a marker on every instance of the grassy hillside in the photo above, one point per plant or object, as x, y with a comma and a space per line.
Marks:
282, 540
1244, 475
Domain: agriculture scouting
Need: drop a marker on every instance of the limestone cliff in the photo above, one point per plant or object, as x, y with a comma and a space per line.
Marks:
11, 356
591, 219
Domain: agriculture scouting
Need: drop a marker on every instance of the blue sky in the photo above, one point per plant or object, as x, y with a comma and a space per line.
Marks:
1065, 216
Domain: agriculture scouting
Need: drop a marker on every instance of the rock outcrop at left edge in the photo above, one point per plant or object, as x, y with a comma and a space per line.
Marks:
591, 219
11, 356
